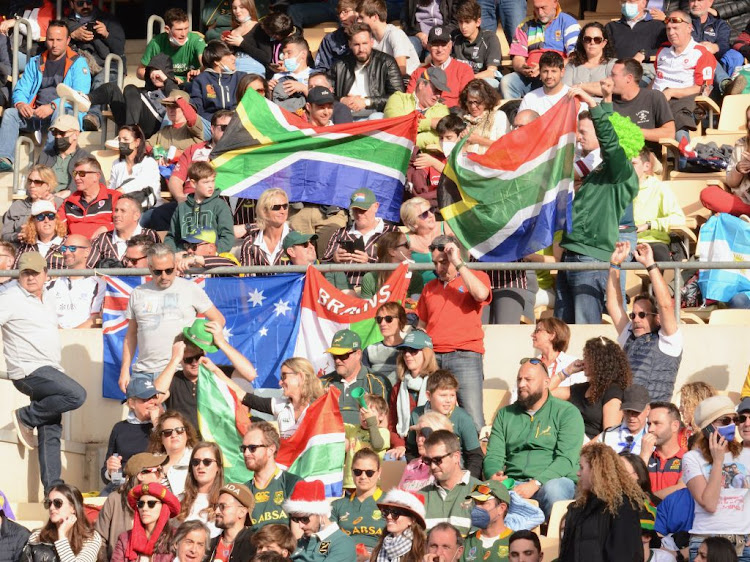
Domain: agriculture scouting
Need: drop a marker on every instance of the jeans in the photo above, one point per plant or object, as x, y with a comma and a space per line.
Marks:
729, 62
740, 300
467, 366
555, 490
695, 543
13, 124
515, 86
52, 393
313, 13
246, 63
417, 43
579, 295
507, 306
509, 12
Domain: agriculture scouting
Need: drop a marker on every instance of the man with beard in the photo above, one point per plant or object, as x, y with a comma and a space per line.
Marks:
536, 441
233, 518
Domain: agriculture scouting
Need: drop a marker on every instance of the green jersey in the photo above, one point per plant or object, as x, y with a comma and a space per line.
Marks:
184, 58
480, 548
269, 500
361, 520
327, 545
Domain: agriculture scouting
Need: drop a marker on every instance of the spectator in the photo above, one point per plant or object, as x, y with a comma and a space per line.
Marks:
335, 44
204, 480
182, 46
216, 87
491, 500
661, 449
28, 323
371, 433
445, 498
480, 48
7, 257
445, 542
550, 29
652, 339
646, 107
388, 38
360, 506
135, 253
112, 246
116, 515
380, 358
39, 15
627, 437
88, 210
341, 113
151, 535
263, 243
232, 516
130, 436
551, 338
458, 73
393, 247
692, 394
637, 34
606, 497
35, 101
608, 375
591, 61
134, 172
204, 208
319, 106
149, 327
244, 19
309, 513
276, 539
186, 127
63, 154
543, 466
174, 436
302, 252
417, 216
368, 94
417, 473
293, 77
200, 251
96, 34
43, 232
404, 536
713, 33
191, 541
551, 72
358, 243
716, 549
580, 295
524, 546
636, 469
40, 183
263, 41
486, 122
269, 482
450, 311
346, 350
67, 528
716, 473
13, 536
421, 19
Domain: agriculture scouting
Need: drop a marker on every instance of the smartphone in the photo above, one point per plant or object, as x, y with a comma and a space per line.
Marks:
90, 26
348, 246
359, 244
708, 430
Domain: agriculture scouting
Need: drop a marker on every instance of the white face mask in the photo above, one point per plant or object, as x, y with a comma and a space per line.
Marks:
176, 42
447, 147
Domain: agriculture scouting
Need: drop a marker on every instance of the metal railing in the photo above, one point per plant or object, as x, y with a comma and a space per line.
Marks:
150, 27
111, 57
19, 187
17, 46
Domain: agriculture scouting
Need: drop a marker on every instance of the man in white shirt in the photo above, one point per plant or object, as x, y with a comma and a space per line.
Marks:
551, 71
28, 323
628, 436
388, 38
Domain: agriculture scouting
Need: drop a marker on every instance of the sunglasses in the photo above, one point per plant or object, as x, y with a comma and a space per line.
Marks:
360, 472
42, 216
72, 248
160, 272
393, 512
82, 173
673, 19
80, 3
640, 315
57, 502
143, 503
726, 420
204, 462
126, 260
483, 489
343, 356
307, 244
152, 470
404, 244
424, 215
193, 358
223, 506
426, 432
36, 182
743, 418
279, 207
595, 40
438, 247
437, 461
388, 319
411, 350
251, 448
304, 519
168, 432
534, 361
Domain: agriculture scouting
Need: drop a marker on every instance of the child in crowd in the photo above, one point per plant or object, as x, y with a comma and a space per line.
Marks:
202, 209
475, 46
442, 397
372, 433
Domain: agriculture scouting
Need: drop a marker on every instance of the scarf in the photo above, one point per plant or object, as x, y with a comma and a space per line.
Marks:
403, 407
138, 544
395, 546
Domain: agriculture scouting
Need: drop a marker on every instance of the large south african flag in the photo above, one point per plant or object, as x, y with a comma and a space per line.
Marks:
266, 146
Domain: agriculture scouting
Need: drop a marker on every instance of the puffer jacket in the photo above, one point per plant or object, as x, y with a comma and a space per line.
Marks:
383, 75
13, 538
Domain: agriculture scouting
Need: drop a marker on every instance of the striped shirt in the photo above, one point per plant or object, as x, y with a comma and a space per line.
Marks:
532, 37
53, 256
104, 246
89, 551
255, 252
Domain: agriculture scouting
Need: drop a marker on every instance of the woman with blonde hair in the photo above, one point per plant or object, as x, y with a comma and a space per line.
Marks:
205, 479
692, 394
418, 216
40, 184
603, 523
263, 242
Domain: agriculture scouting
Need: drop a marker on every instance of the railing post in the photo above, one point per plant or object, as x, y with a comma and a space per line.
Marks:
677, 291
150, 27
17, 44
18, 187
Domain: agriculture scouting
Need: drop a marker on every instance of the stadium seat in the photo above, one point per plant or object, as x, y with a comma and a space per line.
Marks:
671, 153
730, 317
390, 475
732, 116
550, 547
493, 400
106, 158
559, 510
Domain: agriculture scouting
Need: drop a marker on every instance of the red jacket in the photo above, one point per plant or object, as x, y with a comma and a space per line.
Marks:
83, 218
458, 74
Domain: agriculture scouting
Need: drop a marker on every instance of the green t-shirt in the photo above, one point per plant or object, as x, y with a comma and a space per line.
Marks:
338, 279
363, 439
370, 285
269, 500
477, 548
60, 167
361, 520
184, 58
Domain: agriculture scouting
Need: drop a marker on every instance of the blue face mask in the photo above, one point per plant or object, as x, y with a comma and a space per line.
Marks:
479, 518
291, 65
727, 431
630, 11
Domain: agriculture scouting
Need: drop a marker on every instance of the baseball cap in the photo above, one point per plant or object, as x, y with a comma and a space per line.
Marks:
138, 462
320, 95
65, 123
416, 339
343, 342
635, 398
486, 490
38, 207
439, 33
294, 238
744, 405
142, 388
240, 492
362, 198
33, 261
176, 94
437, 77
201, 235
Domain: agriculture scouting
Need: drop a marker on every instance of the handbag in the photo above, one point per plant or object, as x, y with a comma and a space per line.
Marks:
39, 552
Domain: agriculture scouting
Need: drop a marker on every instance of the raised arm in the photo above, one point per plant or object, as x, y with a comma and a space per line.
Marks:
645, 256
615, 305
242, 365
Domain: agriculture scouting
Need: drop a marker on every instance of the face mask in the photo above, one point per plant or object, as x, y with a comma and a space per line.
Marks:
226, 70
125, 149
447, 147
177, 43
727, 432
291, 64
62, 144
630, 11
479, 518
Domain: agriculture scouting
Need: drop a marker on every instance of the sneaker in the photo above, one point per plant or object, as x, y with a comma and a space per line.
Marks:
82, 100
25, 433
113, 144
5, 165
38, 136
737, 86
91, 122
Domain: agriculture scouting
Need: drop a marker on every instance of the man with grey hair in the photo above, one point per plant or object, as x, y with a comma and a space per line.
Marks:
444, 544
450, 310
157, 311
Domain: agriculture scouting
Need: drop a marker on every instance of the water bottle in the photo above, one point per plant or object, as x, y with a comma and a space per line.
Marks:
117, 477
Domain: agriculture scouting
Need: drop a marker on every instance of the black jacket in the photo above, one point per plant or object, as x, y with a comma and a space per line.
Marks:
13, 538
383, 74
260, 46
100, 47
591, 533
49, 157
447, 10
243, 550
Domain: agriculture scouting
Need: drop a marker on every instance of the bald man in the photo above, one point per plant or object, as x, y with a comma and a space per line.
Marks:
524, 117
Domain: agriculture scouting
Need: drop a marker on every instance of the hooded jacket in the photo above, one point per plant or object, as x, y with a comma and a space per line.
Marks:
215, 90
213, 213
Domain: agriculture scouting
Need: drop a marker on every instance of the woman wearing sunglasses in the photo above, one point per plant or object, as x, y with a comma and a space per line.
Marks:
485, 121
174, 436
151, 536
418, 217
40, 184
417, 473
43, 233
380, 358
67, 533
592, 60
262, 245
717, 474
393, 247
205, 479
404, 539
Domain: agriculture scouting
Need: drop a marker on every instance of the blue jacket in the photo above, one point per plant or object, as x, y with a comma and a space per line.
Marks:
213, 91
76, 75
715, 31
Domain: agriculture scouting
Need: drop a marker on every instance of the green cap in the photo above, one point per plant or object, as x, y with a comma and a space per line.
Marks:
294, 238
363, 199
343, 342
486, 490
199, 336
416, 339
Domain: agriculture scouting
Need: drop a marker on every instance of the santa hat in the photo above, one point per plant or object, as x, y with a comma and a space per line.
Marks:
410, 501
308, 498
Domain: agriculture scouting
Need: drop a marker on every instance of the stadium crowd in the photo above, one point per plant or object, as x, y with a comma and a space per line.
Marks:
594, 445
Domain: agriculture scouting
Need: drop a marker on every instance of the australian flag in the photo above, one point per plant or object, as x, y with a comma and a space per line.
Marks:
262, 322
